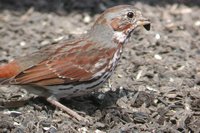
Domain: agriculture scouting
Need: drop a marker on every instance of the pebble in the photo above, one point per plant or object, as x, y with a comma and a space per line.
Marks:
83, 130
98, 131
22, 43
197, 23
158, 57
87, 19
157, 36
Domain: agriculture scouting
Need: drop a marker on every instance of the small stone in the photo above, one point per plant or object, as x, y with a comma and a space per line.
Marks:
101, 96
58, 39
87, 19
151, 89
158, 57
171, 79
83, 130
46, 128
98, 131
119, 76
52, 130
16, 124
44, 23
22, 43
197, 23
157, 36
45, 42
13, 113
139, 75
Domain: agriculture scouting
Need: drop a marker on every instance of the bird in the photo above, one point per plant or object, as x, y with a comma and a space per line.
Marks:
76, 66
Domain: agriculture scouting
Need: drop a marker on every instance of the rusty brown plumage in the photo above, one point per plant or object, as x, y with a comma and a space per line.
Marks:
9, 70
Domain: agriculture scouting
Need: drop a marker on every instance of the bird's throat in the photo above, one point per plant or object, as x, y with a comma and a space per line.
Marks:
120, 37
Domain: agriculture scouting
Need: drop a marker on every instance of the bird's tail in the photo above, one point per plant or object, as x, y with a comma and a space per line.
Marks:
8, 71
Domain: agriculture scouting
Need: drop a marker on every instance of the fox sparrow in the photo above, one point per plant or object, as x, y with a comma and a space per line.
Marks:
76, 66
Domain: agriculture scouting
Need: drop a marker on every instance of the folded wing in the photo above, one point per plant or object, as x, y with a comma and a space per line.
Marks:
80, 63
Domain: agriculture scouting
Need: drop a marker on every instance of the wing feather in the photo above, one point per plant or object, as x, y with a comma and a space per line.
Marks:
67, 66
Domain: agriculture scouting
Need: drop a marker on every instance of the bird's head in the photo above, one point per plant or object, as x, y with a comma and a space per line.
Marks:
122, 20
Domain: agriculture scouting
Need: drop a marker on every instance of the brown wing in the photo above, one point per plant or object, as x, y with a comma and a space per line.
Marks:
79, 63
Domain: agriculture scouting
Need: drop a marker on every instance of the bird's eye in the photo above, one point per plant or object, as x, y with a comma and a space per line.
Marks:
130, 14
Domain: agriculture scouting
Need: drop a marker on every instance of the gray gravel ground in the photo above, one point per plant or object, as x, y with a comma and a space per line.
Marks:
156, 87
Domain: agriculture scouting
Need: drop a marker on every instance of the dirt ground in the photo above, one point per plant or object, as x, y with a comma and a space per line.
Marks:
155, 89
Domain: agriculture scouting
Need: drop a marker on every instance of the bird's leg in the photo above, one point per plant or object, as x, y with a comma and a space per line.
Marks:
72, 113
38, 90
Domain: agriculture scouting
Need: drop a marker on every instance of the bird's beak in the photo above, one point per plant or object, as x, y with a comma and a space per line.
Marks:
144, 22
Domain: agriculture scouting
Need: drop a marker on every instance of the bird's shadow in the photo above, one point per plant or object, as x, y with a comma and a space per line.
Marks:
86, 104
97, 101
